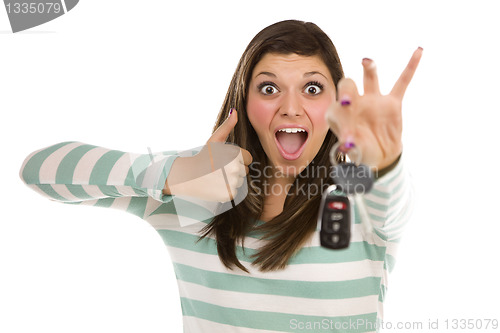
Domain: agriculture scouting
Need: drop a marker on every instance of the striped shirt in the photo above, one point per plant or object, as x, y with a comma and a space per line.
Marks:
320, 290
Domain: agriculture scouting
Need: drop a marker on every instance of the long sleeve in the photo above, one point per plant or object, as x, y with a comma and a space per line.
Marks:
77, 173
387, 209
389, 204
73, 172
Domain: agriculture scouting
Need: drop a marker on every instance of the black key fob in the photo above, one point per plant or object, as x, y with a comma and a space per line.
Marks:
334, 219
353, 179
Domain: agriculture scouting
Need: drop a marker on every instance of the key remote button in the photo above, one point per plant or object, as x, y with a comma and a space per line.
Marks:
336, 216
337, 205
335, 220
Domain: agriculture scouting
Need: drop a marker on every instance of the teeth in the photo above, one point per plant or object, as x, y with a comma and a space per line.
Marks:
291, 130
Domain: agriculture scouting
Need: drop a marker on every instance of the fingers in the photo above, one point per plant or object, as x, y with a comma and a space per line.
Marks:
235, 175
370, 78
342, 116
221, 134
233, 162
404, 80
247, 157
348, 93
244, 160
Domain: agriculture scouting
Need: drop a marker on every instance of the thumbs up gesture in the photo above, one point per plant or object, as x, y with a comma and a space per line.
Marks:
215, 173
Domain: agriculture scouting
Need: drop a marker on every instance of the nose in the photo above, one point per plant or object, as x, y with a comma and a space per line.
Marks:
291, 106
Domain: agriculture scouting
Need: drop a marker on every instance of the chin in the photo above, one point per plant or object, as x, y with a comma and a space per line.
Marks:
291, 168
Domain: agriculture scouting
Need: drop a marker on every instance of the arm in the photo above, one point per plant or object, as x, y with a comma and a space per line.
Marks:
73, 172
76, 172
387, 209
389, 204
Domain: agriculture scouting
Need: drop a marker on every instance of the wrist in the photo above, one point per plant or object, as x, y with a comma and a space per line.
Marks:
175, 177
380, 172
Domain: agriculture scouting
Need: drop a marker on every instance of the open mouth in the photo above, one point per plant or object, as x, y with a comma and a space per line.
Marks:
291, 141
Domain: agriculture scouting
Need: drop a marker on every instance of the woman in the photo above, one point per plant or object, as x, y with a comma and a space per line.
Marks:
258, 266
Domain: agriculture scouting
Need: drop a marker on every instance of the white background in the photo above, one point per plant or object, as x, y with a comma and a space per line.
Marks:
129, 75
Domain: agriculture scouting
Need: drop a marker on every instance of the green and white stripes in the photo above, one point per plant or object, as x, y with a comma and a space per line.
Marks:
332, 289
72, 172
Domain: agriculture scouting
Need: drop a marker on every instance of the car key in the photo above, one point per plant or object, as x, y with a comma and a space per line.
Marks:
334, 219
336, 213
351, 176
353, 179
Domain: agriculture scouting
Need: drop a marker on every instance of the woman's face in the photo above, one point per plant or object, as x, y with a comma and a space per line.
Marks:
288, 97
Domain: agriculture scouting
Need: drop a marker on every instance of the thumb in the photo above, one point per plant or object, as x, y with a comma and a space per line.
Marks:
221, 133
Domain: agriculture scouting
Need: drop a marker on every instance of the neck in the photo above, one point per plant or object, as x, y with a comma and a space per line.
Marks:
276, 193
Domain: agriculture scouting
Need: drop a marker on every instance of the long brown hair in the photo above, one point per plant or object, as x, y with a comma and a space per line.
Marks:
287, 232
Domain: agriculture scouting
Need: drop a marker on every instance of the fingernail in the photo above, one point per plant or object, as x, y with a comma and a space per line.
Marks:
420, 48
367, 62
345, 100
230, 112
347, 145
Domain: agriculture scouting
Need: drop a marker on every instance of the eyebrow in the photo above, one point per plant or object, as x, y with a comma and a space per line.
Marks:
266, 73
305, 75
312, 73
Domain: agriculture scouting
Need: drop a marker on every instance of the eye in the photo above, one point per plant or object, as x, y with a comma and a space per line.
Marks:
267, 88
313, 88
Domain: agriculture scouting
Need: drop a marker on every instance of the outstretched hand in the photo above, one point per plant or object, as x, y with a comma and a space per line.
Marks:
373, 122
